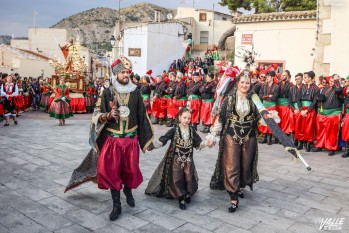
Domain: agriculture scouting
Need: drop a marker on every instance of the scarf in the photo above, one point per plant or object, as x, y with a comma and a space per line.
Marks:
122, 89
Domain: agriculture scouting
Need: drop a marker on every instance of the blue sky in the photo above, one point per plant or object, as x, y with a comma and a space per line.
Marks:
17, 15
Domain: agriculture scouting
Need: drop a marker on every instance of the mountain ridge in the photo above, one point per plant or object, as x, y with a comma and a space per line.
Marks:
96, 26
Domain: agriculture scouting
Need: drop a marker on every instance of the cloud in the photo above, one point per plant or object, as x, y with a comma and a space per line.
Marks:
19, 13
18, 29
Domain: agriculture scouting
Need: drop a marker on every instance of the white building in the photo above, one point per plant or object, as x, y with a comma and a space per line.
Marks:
206, 27
153, 46
284, 38
24, 62
299, 41
45, 42
332, 47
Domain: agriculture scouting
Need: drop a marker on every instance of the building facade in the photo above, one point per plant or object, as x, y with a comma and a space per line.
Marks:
332, 38
206, 27
283, 38
153, 46
24, 62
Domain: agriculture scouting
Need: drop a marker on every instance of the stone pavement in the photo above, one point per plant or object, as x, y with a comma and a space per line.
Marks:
37, 158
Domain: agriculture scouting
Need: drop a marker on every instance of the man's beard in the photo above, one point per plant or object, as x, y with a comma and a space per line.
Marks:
123, 81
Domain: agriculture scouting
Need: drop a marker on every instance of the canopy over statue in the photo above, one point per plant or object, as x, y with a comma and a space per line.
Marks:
74, 63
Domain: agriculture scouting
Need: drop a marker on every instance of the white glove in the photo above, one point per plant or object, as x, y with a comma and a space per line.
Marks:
63, 98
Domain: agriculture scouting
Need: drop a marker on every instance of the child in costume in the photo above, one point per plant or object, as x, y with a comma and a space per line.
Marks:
176, 176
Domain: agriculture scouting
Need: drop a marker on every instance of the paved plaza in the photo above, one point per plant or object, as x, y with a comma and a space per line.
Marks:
37, 158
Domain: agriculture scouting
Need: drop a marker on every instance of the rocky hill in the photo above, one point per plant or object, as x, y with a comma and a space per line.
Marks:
96, 26
5, 39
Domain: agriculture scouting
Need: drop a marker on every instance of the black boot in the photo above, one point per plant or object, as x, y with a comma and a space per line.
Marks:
195, 127
115, 194
296, 143
308, 146
331, 153
346, 151
315, 149
264, 139
300, 145
270, 139
181, 203
129, 197
187, 199
276, 141
161, 121
170, 123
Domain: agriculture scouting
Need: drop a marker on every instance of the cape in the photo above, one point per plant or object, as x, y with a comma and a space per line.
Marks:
87, 170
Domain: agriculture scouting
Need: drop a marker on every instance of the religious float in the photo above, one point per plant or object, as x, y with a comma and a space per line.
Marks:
73, 70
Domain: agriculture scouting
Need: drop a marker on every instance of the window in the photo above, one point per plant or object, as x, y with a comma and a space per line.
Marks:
204, 37
202, 17
224, 18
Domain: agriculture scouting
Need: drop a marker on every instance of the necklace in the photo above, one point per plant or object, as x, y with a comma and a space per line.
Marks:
122, 100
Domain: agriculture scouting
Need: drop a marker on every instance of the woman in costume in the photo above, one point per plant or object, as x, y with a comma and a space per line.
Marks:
9, 91
236, 166
45, 95
176, 176
89, 96
19, 100
60, 108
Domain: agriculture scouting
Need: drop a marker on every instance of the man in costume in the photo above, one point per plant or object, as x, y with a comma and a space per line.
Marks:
329, 116
159, 102
171, 107
194, 99
179, 94
207, 90
345, 123
35, 89
307, 104
119, 126
295, 94
282, 104
268, 93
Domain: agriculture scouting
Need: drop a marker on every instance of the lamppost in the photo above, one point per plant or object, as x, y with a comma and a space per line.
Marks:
113, 43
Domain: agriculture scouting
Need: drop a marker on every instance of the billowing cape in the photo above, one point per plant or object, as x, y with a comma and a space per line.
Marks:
87, 170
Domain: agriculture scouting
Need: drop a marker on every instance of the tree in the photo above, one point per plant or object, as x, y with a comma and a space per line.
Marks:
264, 6
298, 5
225, 35
233, 5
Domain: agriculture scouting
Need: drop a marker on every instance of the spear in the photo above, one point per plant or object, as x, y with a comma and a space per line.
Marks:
277, 132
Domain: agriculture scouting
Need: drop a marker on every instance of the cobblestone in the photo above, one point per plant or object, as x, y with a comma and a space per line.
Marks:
37, 158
